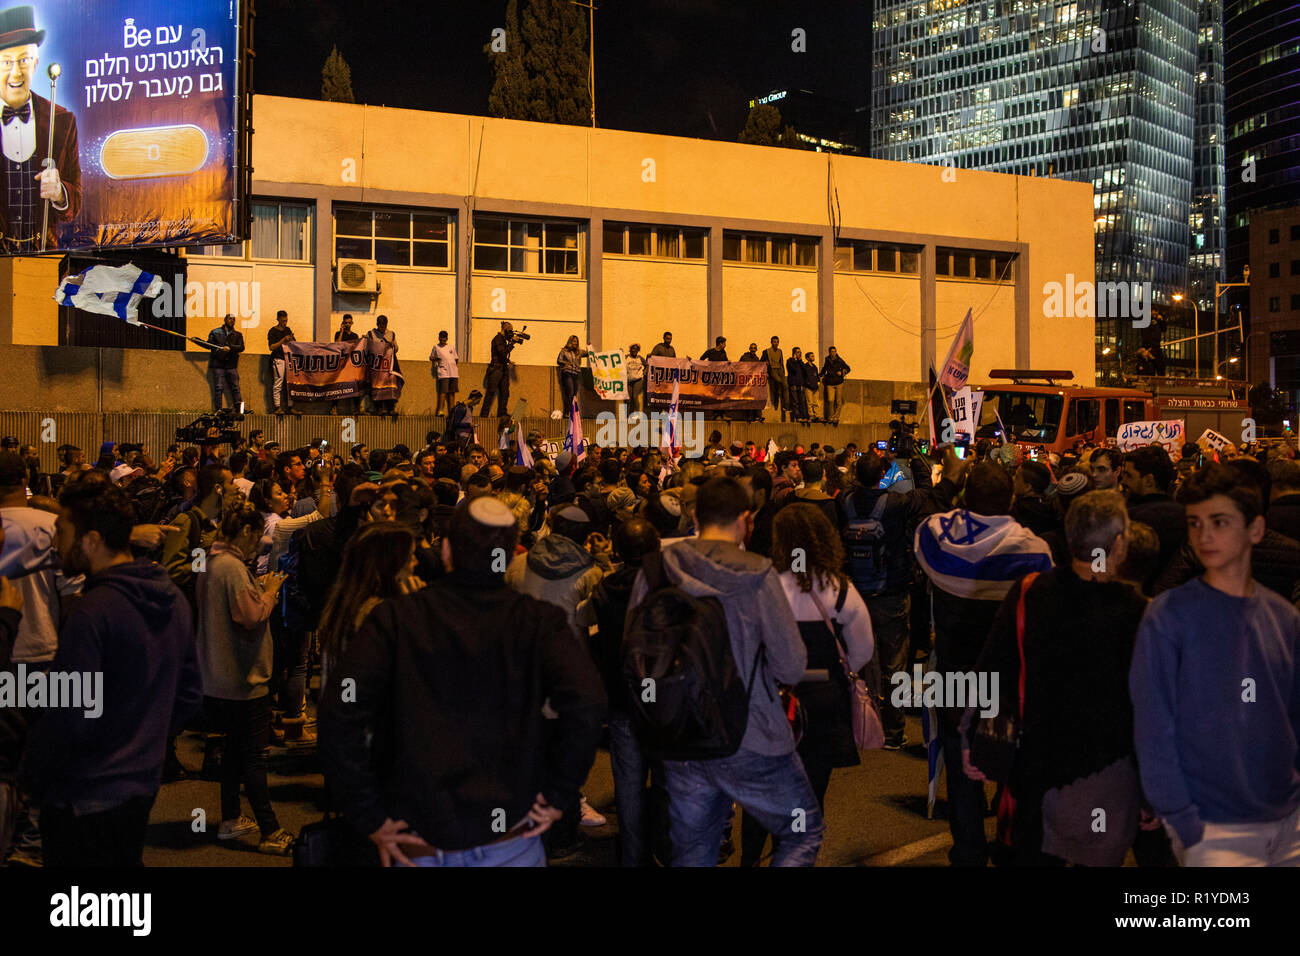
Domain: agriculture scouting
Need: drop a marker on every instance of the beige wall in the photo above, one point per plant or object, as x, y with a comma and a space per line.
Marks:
643, 298
758, 303
352, 153
993, 305
278, 286
877, 323
552, 308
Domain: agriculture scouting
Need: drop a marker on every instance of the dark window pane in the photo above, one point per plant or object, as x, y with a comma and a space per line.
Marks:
393, 225
843, 258
730, 247
805, 252
781, 251
909, 261
886, 258
756, 248
638, 240
526, 234
961, 264
345, 248
390, 252
983, 267
1004, 267
668, 244
526, 260
351, 222
942, 263
561, 262
490, 230
429, 254
490, 258
562, 235
426, 226
613, 239
694, 244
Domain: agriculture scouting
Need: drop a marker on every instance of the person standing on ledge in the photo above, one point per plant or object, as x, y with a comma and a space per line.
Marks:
223, 362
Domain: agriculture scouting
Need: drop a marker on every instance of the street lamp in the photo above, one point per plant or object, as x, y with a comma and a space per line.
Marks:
1218, 290
1196, 337
1217, 374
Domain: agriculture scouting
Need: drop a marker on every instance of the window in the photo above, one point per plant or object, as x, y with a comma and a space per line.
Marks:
863, 256
281, 231
1295, 267
1274, 270
530, 246
662, 242
1295, 233
1275, 303
1112, 417
1084, 416
797, 251
976, 264
393, 237
1273, 237
1295, 303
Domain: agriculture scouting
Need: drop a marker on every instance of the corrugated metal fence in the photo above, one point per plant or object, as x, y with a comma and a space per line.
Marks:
87, 430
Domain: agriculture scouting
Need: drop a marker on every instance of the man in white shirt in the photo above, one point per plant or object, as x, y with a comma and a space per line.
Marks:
446, 372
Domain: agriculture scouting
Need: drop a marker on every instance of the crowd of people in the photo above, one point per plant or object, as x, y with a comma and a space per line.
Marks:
478, 624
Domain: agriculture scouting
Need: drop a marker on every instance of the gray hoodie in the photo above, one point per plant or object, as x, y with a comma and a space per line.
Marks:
758, 614
557, 570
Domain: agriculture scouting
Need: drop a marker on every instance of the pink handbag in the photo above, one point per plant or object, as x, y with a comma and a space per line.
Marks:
868, 729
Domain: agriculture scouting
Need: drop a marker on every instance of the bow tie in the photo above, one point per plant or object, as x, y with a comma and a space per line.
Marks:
8, 113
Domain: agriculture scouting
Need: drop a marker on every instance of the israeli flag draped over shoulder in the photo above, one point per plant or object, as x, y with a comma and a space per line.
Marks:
978, 556
109, 290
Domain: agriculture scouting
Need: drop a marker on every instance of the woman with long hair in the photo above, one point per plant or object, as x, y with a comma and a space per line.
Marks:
235, 659
569, 363
834, 624
378, 564
272, 503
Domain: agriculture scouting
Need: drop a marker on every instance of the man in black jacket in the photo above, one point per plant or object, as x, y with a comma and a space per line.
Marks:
496, 380
834, 370
432, 729
794, 375
1146, 476
890, 605
223, 362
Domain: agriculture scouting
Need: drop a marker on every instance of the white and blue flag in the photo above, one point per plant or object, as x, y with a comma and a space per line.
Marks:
109, 290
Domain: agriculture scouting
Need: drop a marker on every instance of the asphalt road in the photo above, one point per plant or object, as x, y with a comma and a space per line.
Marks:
876, 813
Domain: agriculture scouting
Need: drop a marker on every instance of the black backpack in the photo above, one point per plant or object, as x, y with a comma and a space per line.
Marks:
864, 546
680, 642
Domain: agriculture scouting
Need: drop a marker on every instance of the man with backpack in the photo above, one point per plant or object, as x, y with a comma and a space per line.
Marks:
707, 615
876, 527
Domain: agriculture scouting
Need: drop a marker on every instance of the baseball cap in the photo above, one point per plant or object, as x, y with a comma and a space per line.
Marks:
122, 472
8, 442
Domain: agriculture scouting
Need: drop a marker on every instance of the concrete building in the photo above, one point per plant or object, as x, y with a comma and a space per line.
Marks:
1273, 334
612, 236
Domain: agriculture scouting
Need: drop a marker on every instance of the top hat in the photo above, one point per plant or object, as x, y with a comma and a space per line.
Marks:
18, 28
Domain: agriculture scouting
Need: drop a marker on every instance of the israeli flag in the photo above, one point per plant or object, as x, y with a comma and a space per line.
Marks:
109, 290
573, 440
523, 454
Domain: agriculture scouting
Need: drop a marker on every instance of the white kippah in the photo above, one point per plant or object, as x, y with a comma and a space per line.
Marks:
491, 511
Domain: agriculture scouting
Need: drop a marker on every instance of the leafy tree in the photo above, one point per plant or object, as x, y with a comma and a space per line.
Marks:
336, 79
542, 75
763, 128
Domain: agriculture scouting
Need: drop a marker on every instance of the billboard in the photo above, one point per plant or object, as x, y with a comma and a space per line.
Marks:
146, 144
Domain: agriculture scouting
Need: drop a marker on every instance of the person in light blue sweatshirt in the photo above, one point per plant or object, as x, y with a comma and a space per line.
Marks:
1216, 692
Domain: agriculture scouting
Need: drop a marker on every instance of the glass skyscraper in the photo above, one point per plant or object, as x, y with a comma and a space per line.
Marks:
1100, 92
1208, 219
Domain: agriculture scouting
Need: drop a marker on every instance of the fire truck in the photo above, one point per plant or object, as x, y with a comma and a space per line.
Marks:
1043, 412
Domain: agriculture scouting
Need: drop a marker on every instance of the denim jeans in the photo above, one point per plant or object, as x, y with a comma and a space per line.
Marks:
642, 824
833, 403
247, 725
224, 380
570, 385
774, 789
521, 851
496, 381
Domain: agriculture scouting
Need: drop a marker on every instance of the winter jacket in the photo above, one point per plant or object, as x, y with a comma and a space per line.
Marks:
834, 370
234, 340
569, 361
556, 570
1167, 518
758, 617
132, 625
902, 514
794, 372
445, 729
1274, 563
1036, 513
235, 648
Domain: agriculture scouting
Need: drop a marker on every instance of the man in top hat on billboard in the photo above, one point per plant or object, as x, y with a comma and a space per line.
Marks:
26, 179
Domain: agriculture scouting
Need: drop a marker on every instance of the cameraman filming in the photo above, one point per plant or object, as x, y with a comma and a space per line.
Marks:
496, 381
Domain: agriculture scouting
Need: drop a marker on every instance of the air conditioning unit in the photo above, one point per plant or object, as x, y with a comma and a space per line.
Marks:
356, 275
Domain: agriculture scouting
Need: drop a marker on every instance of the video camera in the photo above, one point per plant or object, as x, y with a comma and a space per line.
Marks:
514, 338
196, 432
902, 439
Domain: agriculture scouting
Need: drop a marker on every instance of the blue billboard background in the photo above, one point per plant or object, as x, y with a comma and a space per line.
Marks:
152, 87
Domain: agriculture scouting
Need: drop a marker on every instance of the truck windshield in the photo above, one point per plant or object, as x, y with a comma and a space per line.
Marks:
1029, 416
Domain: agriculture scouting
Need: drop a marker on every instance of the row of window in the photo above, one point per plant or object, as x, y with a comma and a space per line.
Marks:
1275, 235
1275, 303
284, 231
1275, 269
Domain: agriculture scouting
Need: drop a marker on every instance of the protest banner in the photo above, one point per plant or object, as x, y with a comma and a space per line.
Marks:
609, 375
1213, 439
1168, 434
330, 371
966, 406
706, 385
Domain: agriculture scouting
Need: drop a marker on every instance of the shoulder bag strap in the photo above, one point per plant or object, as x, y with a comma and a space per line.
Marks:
1025, 585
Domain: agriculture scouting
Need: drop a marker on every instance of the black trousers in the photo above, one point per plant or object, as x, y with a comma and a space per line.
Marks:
109, 838
247, 726
496, 382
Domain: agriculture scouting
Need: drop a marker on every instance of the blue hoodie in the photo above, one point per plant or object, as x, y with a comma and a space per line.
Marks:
1212, 747
132, 625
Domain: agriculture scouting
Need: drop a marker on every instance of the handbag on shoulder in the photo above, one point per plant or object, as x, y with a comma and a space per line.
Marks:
868, 728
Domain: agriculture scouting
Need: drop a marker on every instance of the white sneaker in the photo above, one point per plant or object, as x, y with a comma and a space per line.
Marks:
590, 818
233, 829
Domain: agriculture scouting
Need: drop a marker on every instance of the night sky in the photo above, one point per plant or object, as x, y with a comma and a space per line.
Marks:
662, 66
